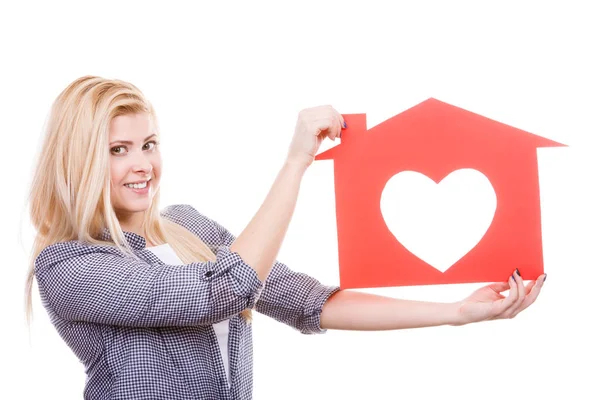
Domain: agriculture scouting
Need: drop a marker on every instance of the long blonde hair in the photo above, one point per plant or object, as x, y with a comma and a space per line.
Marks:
69, 197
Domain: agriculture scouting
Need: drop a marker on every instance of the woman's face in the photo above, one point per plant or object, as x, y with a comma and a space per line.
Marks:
134, 158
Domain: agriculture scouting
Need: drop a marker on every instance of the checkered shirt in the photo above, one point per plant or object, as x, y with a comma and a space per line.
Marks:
143, 329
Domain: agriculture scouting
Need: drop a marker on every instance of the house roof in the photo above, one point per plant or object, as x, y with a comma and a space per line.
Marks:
432, 119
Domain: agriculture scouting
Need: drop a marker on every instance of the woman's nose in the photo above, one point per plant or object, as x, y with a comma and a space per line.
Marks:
142, 163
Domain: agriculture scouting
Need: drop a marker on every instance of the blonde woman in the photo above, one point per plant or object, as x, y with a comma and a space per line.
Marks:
156, 303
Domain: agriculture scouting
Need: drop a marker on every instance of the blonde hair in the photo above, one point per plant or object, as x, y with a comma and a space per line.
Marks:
69, 197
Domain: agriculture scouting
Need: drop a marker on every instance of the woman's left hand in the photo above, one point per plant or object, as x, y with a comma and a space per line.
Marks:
487, 303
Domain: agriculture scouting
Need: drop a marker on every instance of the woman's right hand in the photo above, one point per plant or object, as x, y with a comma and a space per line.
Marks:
313, 125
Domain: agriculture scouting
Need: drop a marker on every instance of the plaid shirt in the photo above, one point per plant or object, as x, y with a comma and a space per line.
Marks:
143, 329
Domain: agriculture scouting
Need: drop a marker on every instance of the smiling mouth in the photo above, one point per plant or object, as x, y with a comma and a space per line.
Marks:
138, 186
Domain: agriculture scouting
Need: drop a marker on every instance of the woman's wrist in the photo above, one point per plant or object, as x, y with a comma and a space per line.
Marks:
297, 164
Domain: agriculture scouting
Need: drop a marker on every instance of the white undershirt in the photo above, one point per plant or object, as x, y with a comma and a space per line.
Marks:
166, 253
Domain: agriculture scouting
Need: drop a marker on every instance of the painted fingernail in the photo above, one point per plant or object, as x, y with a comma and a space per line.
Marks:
344, 124
545, 276
518, 273
513, 278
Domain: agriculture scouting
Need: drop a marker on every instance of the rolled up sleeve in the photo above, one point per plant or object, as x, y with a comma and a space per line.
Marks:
81, 283
295, 299
290, 297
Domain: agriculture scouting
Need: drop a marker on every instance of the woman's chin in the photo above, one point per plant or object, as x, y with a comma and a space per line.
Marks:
131, 207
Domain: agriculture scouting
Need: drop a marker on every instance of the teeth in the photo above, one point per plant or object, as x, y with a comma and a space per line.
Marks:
137, 185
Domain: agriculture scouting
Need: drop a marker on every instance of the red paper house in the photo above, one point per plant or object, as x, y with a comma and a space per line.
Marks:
435, 138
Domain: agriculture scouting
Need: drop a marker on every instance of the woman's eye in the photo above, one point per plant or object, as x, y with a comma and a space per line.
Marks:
153, 143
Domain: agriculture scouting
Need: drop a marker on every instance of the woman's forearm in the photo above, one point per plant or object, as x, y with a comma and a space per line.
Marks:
260, 241
351, 310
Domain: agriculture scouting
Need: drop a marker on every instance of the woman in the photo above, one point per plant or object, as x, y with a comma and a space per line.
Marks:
157, 304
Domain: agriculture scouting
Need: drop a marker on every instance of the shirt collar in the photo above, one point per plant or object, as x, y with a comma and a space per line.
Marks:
136, 241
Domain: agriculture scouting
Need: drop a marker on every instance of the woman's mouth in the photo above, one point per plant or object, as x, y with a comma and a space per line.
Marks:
139, 188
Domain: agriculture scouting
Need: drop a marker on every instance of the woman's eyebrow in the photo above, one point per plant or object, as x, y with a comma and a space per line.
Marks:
129, 141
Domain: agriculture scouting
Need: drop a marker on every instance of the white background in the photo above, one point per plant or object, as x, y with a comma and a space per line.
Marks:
228, 80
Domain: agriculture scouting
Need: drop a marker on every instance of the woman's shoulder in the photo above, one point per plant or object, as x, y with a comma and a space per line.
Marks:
182, 212
186, 215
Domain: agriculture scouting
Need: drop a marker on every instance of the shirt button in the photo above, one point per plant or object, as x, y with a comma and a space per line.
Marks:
208, 274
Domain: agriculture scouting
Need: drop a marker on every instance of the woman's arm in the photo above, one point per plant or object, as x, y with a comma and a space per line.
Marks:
348, 310
260, 241
351, 310
293, 298
80, 282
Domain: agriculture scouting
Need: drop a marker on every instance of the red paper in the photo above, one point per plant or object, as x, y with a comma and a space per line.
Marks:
435, 138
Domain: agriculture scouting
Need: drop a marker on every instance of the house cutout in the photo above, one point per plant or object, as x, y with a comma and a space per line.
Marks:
436, 140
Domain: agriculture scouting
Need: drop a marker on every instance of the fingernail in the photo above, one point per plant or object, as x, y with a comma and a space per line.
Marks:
545, 276
518, 273
513, 278
344, 124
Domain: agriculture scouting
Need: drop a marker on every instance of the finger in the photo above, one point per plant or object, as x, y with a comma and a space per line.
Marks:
534, 291
509, 300
529, 286
334, 124
328, 128
342, 122
323, 128
513, 310
499, 287
336, 127
339, 122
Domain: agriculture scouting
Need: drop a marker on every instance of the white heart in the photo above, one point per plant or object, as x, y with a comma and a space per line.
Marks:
439, 223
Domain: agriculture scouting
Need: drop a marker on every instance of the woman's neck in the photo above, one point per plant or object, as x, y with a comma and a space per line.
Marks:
132, 223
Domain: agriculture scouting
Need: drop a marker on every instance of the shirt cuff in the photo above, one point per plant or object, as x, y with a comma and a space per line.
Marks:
312, 313
245, 281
